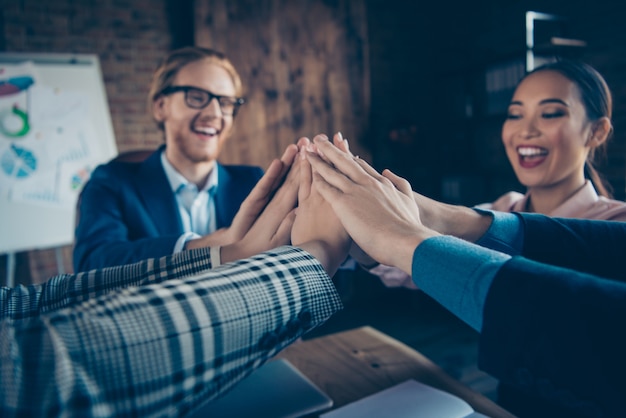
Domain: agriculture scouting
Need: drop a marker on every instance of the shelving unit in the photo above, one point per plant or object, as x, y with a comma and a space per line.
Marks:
546, 39
483, 171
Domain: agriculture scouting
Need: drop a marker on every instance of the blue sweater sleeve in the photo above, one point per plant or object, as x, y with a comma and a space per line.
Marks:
461, 286
505, 233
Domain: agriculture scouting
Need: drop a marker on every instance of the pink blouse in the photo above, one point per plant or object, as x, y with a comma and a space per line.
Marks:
585, 204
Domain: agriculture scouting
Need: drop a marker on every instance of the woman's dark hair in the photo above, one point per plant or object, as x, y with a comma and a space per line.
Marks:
598, 103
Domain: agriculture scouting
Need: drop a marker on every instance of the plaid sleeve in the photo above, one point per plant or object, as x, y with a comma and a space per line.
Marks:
67, 290
162, 349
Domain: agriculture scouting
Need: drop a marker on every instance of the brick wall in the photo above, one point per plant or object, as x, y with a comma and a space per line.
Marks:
129, 37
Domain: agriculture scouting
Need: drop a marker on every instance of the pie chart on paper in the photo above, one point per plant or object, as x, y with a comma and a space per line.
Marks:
18, 162
15, 85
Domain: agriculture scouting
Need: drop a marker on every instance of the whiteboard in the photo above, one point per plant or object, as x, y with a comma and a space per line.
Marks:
55, 128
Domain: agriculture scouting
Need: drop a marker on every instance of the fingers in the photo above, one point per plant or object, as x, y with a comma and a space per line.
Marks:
328, 173
400, 183
303, 142
254, 203
285, 198
283, 233
341, 143
329, 192
305, 178
268, 183
287, 160
343, 162
368, 168
289, 154
314, 148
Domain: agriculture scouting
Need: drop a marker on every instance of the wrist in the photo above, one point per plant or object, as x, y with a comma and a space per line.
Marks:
220, 237
469, 224
459, 221
329, 256
401, 254
230, 252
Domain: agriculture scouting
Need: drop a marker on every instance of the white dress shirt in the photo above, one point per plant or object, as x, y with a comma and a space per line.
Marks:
196, 206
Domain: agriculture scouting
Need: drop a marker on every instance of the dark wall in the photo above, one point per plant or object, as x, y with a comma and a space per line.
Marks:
428, 64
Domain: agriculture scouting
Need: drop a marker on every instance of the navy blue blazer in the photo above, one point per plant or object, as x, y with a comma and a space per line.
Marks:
129, 213
554, 321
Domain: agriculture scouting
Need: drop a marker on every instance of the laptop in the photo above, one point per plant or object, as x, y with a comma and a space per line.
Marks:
275, 390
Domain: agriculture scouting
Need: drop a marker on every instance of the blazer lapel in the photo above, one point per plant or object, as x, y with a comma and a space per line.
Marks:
225, 207
156, 194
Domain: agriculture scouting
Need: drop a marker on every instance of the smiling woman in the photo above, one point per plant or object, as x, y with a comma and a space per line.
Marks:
559, 118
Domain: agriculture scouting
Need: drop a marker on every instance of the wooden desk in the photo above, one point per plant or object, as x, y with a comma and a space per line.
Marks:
353, 364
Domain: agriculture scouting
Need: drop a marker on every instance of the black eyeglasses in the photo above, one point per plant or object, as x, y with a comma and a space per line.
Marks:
197, 98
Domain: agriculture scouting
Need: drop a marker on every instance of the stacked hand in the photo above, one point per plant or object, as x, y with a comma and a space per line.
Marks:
377, 210
316, 228
322, 198
265, 217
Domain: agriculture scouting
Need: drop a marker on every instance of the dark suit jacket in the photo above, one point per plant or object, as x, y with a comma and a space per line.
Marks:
555, 318
128, 211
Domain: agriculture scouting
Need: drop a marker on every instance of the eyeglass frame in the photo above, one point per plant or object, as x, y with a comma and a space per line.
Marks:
236, 102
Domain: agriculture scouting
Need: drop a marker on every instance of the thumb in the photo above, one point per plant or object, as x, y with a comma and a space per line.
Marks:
283, 233
306, 178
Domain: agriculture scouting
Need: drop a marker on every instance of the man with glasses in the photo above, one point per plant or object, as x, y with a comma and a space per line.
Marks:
164, 336
180, 196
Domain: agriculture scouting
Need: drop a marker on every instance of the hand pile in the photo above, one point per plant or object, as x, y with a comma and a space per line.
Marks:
329, 202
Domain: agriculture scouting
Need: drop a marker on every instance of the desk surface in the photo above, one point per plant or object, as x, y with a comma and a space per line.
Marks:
353, 364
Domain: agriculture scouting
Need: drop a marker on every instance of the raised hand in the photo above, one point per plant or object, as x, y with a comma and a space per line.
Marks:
356, 252
272, 228
256, 203
377, 210
317, 223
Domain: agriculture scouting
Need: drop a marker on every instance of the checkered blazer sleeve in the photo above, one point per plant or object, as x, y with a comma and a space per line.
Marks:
162, 349
68, 290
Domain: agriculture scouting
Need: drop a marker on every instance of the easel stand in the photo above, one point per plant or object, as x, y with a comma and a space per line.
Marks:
10, 282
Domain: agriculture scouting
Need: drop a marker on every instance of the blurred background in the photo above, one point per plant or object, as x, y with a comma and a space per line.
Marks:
418, 87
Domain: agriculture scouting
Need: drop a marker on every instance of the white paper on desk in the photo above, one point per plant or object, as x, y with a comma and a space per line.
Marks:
409, 399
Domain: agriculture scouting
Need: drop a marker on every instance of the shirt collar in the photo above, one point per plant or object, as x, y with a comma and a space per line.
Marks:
582, 199
178, 181
572, 207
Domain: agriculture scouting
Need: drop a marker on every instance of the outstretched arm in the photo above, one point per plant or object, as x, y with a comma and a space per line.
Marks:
536, 320
317, 227
255, 203
254, 230
183, 333
69, 290
162, 347
378, 211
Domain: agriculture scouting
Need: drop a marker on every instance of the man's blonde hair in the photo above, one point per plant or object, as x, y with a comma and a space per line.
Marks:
164, 75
